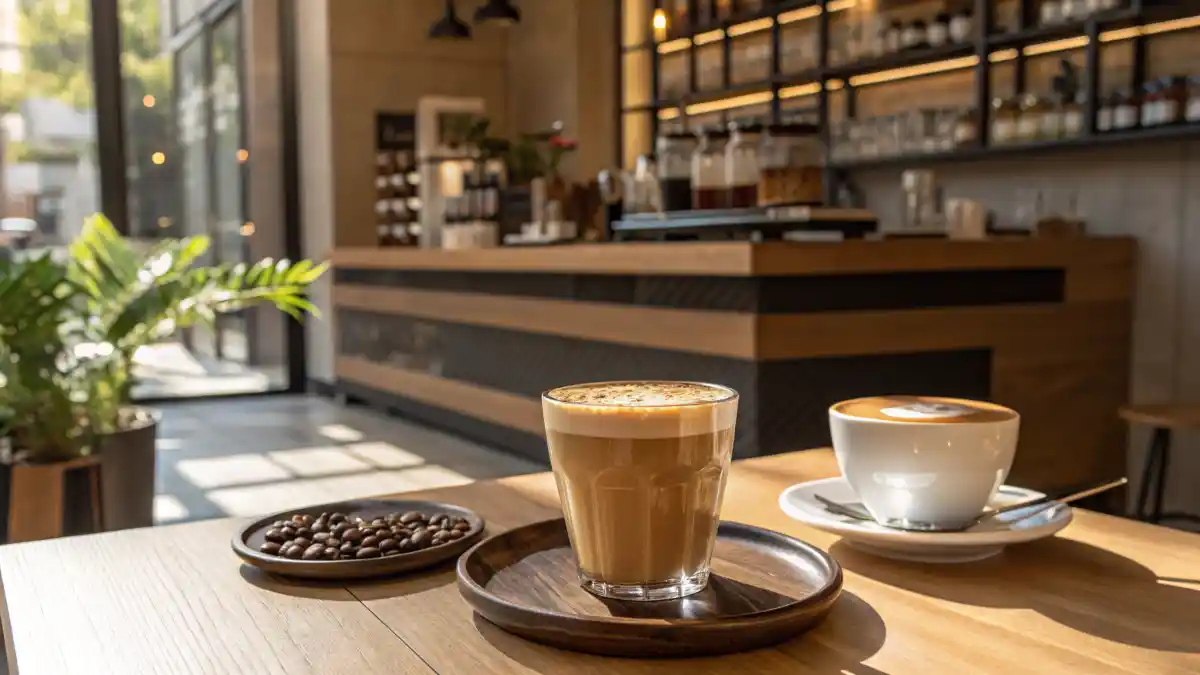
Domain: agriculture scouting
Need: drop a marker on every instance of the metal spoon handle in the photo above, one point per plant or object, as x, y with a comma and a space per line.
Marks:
1048, 501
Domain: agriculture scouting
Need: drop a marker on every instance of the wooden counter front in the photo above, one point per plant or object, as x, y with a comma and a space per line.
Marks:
469, 339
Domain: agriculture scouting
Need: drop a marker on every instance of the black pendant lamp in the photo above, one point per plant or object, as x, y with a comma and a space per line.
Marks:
499, 12
449, 27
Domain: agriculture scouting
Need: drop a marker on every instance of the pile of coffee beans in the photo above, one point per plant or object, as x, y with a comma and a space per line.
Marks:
336, 536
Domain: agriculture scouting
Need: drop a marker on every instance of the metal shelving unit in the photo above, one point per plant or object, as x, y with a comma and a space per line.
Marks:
986, 50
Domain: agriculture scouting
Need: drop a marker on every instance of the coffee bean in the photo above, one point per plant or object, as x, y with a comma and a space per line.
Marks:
304, 532
378, 522
275, 536
370, 542
432, 528
462, 527
313, 552
331, 553
320, 526
438, 518
322, 537
333, 541
457, 534
302, 542
392, 552
420, 539
367, 553
392, 518
388, 544
411, 517
401, 531
280, 523
302, 519
287, 532
272, 548
340, 529
336, 518
293, 552
440, 537
404, 544
348, 548
353, 534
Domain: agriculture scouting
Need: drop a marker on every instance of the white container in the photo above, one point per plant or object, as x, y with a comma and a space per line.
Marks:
924, 463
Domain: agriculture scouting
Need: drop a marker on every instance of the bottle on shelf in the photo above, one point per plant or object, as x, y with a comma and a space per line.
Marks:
1005, 113
1173, 108
938, 32
791, 166
708, 172
675, 152
1193, 105
1126, 110
962, 25
741, 165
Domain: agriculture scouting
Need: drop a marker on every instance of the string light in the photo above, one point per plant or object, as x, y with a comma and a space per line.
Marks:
158, 158
247, 229
148, 101
243, 155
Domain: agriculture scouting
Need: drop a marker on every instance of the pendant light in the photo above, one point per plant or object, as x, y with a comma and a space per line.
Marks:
499, 12
449, 27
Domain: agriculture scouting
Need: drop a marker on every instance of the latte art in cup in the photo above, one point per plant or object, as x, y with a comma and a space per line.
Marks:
924, 409
640, 469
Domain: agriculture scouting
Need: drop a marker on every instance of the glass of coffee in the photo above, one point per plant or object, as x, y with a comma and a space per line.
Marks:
641, 470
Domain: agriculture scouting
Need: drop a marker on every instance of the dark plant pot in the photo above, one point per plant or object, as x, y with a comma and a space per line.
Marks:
43, 501
128, 470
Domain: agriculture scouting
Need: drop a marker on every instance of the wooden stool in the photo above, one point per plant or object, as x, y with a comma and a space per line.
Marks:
1163, 419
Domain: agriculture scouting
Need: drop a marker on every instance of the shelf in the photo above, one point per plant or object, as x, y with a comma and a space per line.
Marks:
1114, 18
1185, 131
903, 59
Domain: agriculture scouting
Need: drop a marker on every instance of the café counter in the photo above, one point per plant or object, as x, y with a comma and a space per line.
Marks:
467, 340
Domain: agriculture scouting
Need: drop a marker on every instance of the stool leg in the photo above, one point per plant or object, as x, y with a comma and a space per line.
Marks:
1143, 501
1164, 459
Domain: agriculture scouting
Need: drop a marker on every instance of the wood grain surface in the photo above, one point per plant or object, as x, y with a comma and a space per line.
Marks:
1105, 596
763, 259
765, 588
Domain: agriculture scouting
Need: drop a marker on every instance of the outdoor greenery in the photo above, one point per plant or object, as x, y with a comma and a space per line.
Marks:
69, 330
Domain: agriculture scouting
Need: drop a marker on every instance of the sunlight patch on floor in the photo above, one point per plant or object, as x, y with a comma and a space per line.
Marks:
385, 455
324, 461
168, 509
217, 472
340, 433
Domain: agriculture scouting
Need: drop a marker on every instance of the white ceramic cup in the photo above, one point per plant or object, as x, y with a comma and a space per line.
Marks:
927, 463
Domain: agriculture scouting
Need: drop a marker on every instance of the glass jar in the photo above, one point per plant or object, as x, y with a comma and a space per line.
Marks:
1193, 105
1126, 110
741, 166
962, 25
938, 33
675, 170
892, 40
966, 128
1105, 110
708, 171
1051, 123
1005, 114
1029, 123
1174, 100
1072, 10
1152, 104
912, 35
791, 166
1050, 12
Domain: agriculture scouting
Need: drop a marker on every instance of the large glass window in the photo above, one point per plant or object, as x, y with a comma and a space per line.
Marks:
48, 173
189, 174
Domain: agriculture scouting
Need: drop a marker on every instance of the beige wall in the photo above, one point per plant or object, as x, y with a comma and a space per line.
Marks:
381, 59
1149, 191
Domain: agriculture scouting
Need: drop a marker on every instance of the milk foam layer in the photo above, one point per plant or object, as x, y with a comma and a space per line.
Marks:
640, 409
924, 410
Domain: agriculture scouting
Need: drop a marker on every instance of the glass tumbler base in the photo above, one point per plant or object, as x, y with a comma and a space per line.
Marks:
672, 589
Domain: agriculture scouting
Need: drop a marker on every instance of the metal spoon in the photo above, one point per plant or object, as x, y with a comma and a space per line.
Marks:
1046, 502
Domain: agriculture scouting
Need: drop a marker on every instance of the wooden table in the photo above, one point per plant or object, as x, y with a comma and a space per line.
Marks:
1105, 596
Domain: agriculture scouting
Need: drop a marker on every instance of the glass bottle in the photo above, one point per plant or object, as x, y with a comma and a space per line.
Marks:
962, 25
1005, 113
1051, 124
1050, 12
939, 30
791, 166
1125, 110
966, 128
1193, 105
1151, 113
741, 166
1105, 111
1072, 117
1174, 100
912, 35
708, 172
892, 40
1029, 124
675, 170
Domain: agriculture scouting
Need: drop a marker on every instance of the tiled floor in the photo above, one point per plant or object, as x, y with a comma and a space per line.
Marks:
244, 457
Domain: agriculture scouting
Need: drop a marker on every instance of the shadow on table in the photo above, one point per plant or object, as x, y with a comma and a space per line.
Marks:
1078, 585
360, 589
851, 633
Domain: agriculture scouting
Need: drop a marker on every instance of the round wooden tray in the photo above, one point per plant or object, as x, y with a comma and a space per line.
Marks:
247, 541
766, 587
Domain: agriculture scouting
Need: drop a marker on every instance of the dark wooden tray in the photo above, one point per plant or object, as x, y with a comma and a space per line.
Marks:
248, 540
766, 587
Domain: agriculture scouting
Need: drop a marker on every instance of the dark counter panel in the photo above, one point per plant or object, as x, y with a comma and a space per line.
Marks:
760, 295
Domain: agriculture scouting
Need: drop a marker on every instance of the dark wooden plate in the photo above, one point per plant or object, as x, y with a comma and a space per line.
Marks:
247, 541
766, 587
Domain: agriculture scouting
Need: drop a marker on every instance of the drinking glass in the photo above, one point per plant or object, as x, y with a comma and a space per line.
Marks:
641, 469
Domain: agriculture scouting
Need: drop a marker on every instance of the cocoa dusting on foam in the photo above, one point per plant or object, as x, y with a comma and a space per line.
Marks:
640, 394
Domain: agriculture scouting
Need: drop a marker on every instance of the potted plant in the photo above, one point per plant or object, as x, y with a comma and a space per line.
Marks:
91, 314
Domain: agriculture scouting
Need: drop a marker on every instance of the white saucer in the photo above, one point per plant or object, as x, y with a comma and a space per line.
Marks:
982, 541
